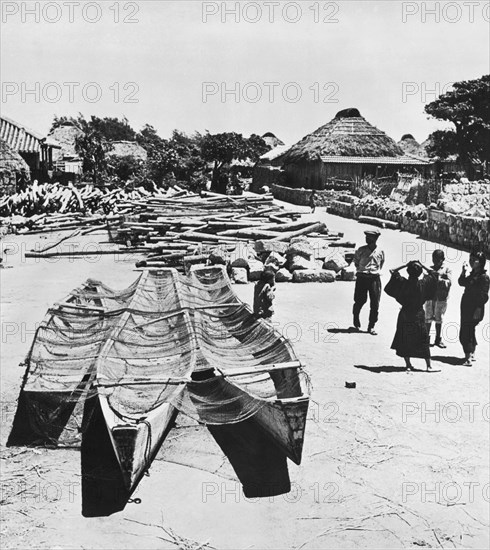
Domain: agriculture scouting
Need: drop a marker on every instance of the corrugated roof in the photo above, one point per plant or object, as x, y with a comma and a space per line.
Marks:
18, 137
405, 159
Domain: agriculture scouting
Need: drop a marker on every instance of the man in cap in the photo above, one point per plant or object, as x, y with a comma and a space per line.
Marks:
369, 260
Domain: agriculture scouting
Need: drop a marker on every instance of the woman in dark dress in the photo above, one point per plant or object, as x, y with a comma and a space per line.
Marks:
411, 336
473, 301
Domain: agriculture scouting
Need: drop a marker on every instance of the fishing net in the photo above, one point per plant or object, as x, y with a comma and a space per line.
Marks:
184, 341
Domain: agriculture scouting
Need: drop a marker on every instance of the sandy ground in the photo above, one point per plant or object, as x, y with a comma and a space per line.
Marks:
400, 461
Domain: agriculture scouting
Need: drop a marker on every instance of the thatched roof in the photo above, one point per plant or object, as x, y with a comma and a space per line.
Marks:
348, 134
127, 149
66, 136
411, 146
271, 140
11, 161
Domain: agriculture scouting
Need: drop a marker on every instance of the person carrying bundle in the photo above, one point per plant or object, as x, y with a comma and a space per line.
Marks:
411, 337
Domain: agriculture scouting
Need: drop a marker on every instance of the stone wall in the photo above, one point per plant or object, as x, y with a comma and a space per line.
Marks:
431, 223
302, 196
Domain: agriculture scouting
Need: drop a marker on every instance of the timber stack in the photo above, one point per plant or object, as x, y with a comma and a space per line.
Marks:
176, 228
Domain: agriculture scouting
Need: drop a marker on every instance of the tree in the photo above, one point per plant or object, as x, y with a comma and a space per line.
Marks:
256, 147
179, 156
62, 121
467, 106
222, 149
92, 147
442, 144
113, 129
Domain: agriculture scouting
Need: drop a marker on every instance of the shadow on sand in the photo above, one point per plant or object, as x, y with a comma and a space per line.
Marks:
381, 369
448, 359
346, 331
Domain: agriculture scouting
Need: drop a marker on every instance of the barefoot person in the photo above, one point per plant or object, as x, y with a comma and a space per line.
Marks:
264, 294
411, 336
436, 308
473, 301
369, 260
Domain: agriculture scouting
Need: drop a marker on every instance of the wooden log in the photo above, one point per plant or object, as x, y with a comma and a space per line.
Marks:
378, 222
319, 226
83, 253
250, 234
46, 248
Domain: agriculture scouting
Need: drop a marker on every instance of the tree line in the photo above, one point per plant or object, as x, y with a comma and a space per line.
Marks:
191, 160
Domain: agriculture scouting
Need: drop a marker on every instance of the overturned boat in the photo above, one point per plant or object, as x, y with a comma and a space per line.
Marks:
118, 366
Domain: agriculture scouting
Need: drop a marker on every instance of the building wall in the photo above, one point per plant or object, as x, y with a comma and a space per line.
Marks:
266, 175
317, 175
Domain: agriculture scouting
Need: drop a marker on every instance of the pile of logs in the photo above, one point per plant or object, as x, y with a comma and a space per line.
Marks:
175, 228
48, 198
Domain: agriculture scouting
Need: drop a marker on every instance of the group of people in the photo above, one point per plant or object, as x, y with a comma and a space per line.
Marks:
423, 300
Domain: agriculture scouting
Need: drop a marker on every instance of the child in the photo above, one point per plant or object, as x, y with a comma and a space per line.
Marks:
476, 286
264, 293
313, 197
435, 309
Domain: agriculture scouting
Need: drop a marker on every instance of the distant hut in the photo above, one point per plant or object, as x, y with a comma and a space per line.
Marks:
14, 169
66, 159
271, 140
346, 149
119, 149
412, 147
268, 169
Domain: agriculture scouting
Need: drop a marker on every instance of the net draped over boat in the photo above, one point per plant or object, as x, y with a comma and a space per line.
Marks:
168, 338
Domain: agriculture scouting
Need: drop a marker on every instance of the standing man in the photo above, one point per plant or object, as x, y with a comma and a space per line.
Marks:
369, 260
435, 308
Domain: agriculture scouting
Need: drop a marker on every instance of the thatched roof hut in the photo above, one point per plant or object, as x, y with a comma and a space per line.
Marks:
12, 168
11, 160
348, 134
411, 146
346, 149
127, 149
271, 140
66, 135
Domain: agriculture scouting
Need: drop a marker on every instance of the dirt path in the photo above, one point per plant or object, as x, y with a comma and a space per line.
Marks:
400, 461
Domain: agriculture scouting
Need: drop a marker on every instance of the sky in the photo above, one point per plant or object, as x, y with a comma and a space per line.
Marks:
248, 67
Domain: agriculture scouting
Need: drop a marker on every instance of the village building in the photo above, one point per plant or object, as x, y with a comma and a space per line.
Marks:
14, 170
33, 147
120, 149
66, 161
272, 140
268, 169
412, 147
346, 150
